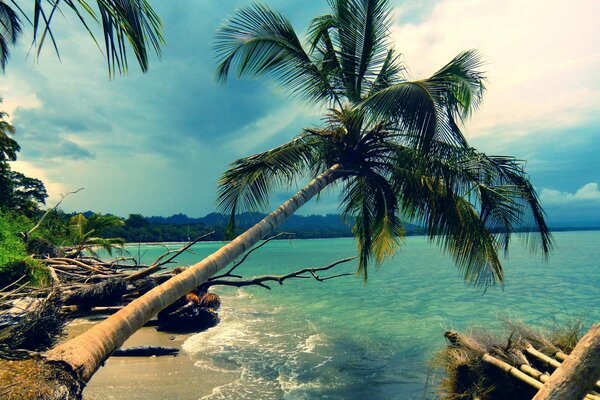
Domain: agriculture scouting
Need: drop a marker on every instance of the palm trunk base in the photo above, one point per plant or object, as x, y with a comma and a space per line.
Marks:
36, 378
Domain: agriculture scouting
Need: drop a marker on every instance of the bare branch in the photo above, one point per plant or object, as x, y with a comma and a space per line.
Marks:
79, 264
252, 250
62, 197
157, 264
300, 274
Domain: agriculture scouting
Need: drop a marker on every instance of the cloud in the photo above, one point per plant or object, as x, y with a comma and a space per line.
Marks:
587, 193
156, 143
73, 151
542, 59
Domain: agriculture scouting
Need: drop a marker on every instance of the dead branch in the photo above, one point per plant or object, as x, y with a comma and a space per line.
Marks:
245, 257
81, 264
39, 223
305, 273
158, 263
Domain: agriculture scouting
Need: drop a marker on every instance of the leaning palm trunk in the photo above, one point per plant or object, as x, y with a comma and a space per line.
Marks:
86, 352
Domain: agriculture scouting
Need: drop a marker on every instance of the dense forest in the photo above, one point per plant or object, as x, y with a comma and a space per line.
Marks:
180, 227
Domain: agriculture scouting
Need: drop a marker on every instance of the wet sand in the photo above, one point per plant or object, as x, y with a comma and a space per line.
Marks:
151, 378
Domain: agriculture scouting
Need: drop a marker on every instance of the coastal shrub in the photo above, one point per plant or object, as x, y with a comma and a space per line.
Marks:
12, 252
14, 260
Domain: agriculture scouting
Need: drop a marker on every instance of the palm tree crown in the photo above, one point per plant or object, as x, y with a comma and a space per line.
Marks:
397, 144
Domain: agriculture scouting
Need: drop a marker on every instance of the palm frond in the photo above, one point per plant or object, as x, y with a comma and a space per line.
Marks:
428, 109
362, 37
124, 23
258, 41
247, 185
369, 203
509, 174
375, 16
391, 73
488, 195
10, 30
318, 35
460, 84
324, 53
107, 244
453, 223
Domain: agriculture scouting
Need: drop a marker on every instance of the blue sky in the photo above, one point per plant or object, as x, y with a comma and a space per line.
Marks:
156, 143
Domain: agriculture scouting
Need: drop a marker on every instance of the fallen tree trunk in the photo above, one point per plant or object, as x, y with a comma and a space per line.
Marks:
578, 373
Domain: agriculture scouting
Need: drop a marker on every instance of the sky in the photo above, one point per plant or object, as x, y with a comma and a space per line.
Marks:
156, 143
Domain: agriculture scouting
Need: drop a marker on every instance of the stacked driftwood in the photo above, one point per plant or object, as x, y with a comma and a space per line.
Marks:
480, 366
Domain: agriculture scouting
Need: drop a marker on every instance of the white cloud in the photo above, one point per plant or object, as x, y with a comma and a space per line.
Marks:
253, 135
542, 58
14, 100
588, 192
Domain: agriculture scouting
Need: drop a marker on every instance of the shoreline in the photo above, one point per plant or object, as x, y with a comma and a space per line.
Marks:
554, 230
165, 377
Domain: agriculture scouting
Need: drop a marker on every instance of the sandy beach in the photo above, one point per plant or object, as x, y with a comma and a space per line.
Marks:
168, 377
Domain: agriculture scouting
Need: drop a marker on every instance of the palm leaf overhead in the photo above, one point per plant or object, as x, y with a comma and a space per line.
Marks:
250, 182
84, 231
124, 23
10, 30
261, 41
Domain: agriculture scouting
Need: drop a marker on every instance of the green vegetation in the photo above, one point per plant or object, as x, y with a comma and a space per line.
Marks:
15, 263
18, 193
180, 228
85, 234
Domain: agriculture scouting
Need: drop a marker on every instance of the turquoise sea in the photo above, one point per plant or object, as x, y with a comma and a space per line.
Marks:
344, 339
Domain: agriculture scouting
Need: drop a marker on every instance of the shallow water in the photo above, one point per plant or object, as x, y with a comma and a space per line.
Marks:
346, 339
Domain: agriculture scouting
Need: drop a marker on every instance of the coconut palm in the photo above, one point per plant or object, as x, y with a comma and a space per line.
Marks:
130, 23
84, 234
393, 149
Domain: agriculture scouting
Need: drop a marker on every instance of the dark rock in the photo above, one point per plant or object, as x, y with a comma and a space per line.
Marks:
188, 314
146, 351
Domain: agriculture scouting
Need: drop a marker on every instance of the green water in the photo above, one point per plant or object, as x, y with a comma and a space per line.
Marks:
346, 339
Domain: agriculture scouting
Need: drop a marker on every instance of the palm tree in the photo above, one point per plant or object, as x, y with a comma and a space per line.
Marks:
393, 148
8, 146
129, 22
84, 231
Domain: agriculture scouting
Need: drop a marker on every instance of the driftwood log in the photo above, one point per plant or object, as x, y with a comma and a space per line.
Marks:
578, 374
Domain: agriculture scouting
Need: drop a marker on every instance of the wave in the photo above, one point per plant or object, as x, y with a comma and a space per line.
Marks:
273, 357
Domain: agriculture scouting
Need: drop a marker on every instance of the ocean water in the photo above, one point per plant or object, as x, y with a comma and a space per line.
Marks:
344, 339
